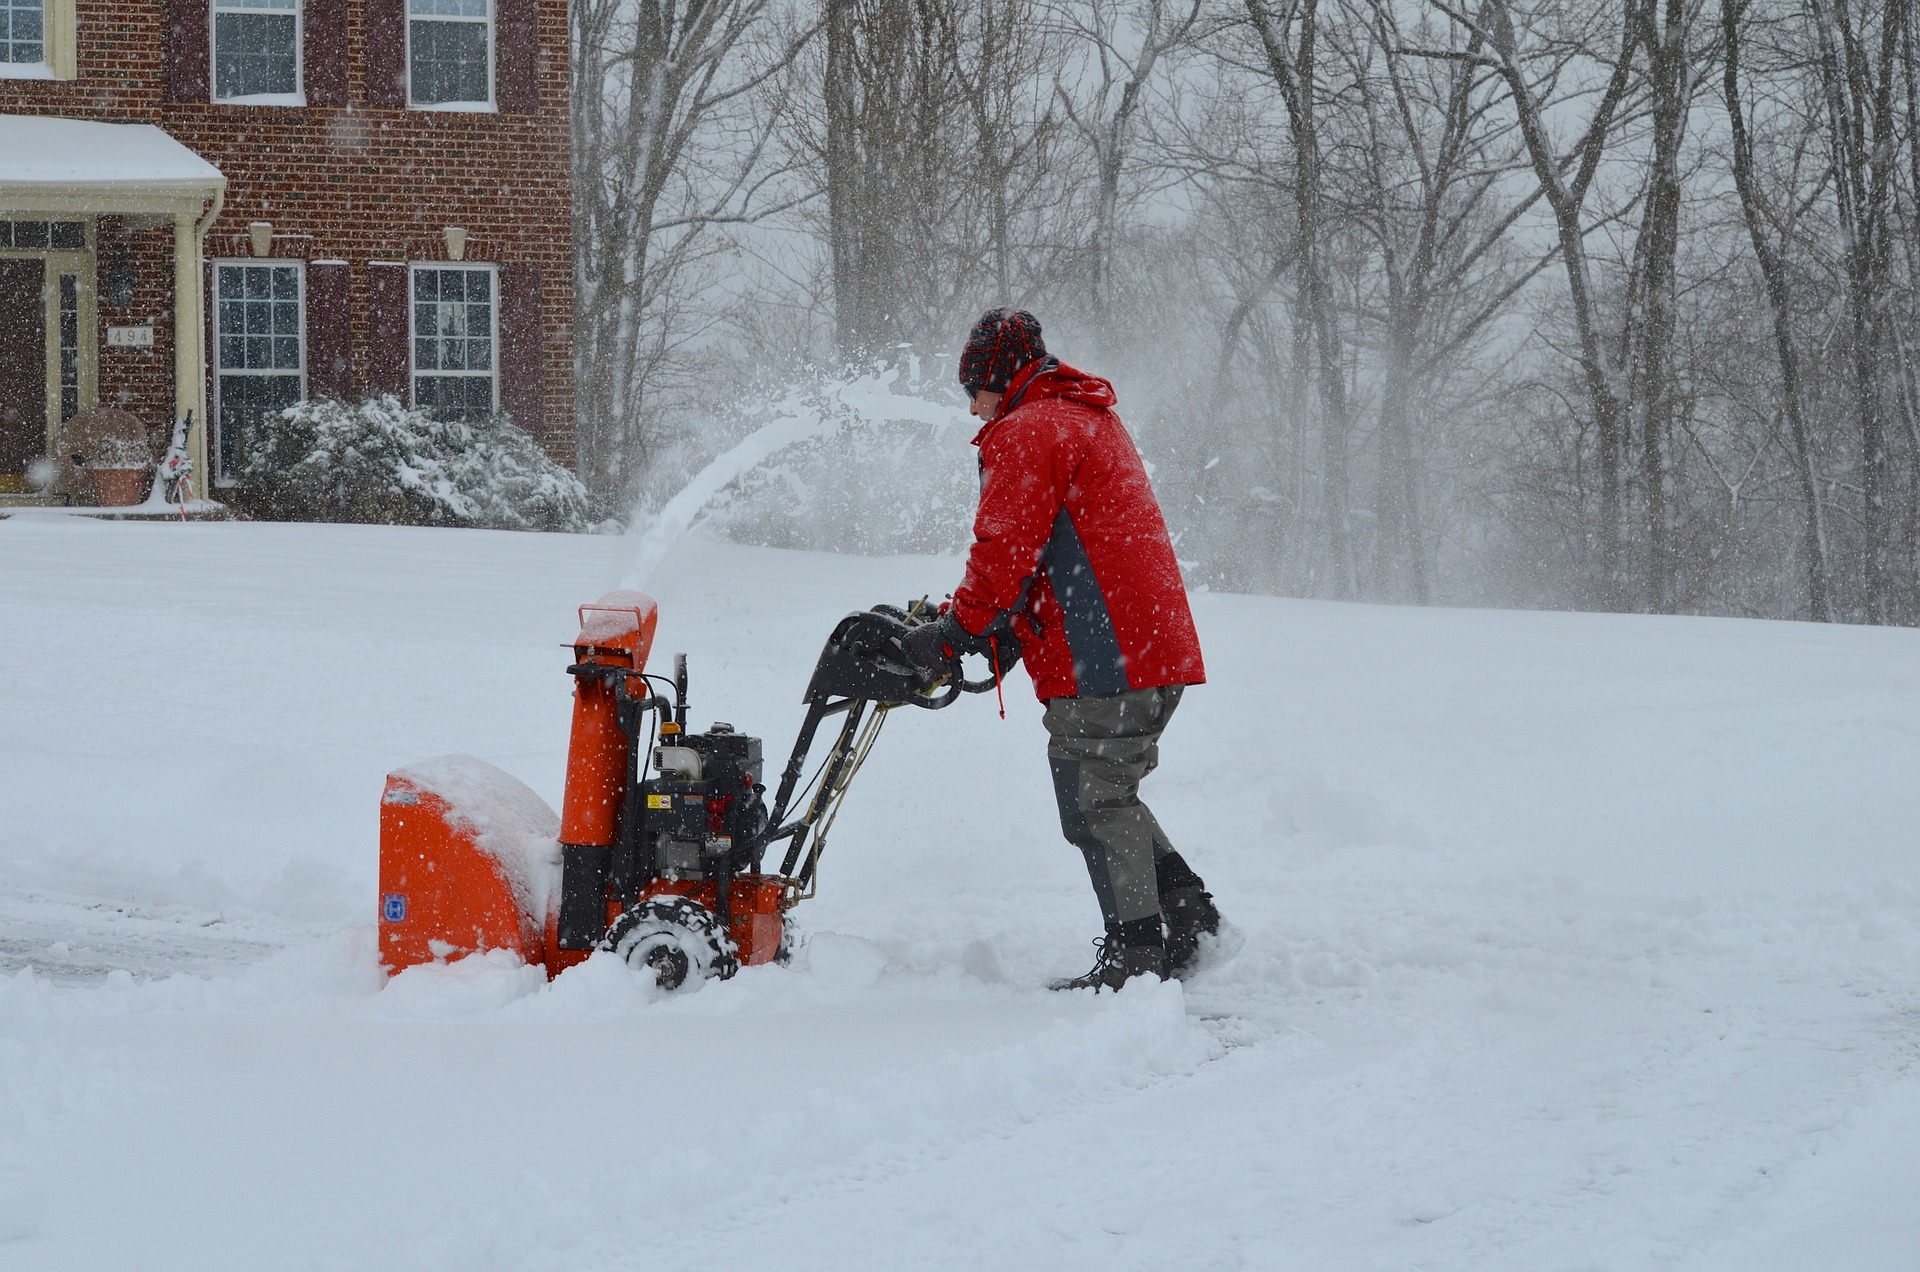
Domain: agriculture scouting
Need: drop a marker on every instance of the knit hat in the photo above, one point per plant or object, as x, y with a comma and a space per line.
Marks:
1002, 341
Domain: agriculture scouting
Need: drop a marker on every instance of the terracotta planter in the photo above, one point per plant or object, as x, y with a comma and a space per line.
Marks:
120, 487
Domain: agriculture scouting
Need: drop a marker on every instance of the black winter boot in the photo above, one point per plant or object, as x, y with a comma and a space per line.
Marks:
1134, 948
1190, 914
1117, 964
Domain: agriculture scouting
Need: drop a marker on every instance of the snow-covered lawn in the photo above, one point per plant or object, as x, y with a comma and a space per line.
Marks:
1570, 941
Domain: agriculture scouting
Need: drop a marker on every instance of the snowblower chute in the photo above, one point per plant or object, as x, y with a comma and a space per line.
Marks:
663, 868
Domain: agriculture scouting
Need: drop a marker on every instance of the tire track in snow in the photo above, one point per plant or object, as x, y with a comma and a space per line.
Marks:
75, 940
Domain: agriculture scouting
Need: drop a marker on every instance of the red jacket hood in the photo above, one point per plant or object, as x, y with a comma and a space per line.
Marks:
1051, 378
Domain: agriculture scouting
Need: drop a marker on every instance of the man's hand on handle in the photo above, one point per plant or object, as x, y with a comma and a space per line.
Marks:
935, 646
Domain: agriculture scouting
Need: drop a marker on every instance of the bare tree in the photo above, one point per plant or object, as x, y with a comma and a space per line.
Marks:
1566, 198
1774, 273
654, 79
1858, 94
1382, 384
1432, 192
934, 148
1661, 28
1290, 60
1107, 120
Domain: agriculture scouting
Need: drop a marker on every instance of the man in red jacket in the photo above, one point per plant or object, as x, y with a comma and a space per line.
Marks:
1071, 557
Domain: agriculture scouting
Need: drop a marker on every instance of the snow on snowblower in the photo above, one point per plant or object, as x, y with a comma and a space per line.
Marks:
658, 851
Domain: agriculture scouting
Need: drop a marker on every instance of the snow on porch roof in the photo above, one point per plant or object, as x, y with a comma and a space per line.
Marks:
82, 165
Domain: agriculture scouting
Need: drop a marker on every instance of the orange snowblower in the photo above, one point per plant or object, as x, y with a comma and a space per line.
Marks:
658, 852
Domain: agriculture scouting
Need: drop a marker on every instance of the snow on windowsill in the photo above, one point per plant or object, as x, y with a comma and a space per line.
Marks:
263, 99
458, 108
27, 71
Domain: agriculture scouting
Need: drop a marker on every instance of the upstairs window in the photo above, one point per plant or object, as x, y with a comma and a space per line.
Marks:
256, 51
450, 53
23, 32
453, 340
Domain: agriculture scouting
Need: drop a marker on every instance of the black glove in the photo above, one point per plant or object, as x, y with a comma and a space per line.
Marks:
934, 647
1000, 644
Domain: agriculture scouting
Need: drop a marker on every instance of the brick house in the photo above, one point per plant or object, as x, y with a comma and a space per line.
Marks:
224, 206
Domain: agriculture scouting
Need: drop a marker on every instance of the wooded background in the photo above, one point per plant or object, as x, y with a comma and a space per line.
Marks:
1604, 304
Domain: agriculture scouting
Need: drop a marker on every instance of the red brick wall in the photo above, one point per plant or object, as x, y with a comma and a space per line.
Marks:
353, 183
139, 380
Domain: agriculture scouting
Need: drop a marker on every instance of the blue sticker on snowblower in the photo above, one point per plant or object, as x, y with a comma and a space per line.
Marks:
393, 907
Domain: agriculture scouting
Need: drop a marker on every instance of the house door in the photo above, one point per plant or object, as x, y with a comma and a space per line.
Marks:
23, 370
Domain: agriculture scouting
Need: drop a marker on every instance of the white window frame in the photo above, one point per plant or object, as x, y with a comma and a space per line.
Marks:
413, 336
213, 355
489, 106
58, 24
298, 97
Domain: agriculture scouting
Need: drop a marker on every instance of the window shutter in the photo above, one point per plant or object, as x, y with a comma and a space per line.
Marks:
516, 43
522, 360
323, 54
329, 330
387, 328
387, 54
189, 27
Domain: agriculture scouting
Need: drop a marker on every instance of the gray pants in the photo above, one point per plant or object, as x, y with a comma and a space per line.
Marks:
1100, 750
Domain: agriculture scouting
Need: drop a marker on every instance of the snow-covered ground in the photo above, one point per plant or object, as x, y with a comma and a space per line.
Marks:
1571, 941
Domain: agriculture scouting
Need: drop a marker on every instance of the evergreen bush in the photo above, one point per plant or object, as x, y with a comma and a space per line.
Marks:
379, 462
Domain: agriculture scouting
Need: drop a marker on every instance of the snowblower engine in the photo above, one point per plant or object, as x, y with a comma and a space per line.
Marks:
659, 852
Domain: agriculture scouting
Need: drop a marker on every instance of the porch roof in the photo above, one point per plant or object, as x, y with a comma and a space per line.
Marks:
50, 165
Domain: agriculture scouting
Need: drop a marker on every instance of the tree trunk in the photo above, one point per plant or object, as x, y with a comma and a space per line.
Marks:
1671, 92
1860, 118
844, 193
1315, 319
1566, 201
1773, 273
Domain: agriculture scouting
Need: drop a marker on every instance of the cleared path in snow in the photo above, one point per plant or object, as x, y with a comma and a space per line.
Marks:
1572, 941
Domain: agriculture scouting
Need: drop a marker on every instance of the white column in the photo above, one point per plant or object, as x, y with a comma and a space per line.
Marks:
189, 358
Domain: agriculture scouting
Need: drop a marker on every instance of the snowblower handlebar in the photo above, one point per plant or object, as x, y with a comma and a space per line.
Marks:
863, 672
866, 658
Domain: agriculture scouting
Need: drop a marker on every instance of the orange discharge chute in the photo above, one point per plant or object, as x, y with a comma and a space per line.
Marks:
617, 631
470, 856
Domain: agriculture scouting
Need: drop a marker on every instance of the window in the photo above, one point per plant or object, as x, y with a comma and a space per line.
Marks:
450, 52
23, 31
60, 235
36, 39
453, 340
256, 50
69, 346
258, 345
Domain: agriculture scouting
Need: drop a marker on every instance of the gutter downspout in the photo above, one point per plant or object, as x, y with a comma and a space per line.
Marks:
189, 333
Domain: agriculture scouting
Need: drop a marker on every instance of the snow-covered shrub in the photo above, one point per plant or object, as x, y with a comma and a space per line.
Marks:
378, 461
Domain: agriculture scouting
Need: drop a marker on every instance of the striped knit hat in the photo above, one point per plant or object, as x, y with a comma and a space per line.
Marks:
1002, 341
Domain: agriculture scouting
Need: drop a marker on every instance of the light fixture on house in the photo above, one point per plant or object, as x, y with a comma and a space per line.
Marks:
456, 242
120, 279
261, 234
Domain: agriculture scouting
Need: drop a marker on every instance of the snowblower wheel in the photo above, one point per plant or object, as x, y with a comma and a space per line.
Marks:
674, 939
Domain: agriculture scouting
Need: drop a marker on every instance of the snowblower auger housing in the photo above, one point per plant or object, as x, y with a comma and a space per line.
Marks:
664, 867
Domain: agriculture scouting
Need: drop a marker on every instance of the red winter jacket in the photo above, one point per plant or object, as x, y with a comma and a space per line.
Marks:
1070, 536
